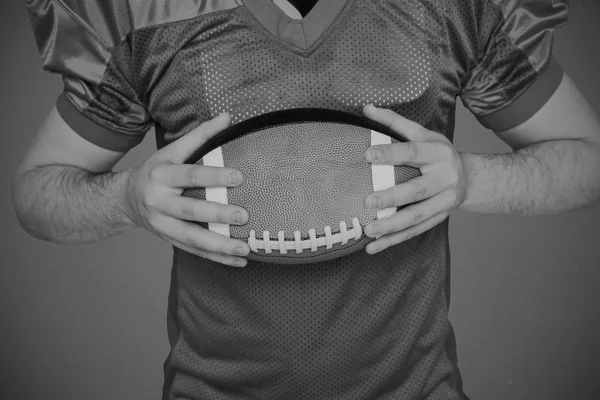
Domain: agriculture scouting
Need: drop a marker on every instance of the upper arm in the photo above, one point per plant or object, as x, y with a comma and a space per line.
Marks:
514, 74
566, 115
56, 143
99, 116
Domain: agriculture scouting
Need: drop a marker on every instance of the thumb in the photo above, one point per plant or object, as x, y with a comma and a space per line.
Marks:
411, 130
181, 149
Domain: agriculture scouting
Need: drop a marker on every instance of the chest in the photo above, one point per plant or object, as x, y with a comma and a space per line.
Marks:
253, 59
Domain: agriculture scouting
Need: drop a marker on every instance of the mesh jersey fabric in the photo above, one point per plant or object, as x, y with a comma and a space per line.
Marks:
359, 327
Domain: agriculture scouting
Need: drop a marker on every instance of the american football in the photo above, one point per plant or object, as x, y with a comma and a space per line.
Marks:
305, 182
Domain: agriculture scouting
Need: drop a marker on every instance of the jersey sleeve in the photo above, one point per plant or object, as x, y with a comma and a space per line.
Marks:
516, 73
78, 40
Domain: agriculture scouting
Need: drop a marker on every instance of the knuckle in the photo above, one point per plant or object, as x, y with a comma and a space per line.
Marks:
417, 216
377, 228
411, 233
234, 250
237, 248
192, 175
153, 226
154, 173
151, 200
216, 177
386, 229
225, 248
188, 212
142, 200
201, 253
148, 202
222, 215
413, 151
224, 260
219, 245
153, 222
420, 192
192, 242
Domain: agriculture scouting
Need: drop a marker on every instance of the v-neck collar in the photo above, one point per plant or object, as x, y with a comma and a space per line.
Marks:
300, 33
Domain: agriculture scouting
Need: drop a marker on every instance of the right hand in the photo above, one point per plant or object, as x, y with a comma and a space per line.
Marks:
153, 198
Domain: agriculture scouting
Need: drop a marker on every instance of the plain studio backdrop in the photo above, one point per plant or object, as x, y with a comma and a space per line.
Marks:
88, 322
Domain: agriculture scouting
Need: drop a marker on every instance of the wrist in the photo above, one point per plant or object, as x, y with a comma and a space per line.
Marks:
122, 179
469, 172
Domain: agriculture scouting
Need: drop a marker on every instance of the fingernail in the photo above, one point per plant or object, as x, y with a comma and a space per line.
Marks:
237, 217
233, 178
239, 251
374, 154
239, 263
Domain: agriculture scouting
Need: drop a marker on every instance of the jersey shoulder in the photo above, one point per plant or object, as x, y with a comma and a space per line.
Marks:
89, 43
110, 21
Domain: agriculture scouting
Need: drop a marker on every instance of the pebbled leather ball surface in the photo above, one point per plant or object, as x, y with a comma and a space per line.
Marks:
302, 176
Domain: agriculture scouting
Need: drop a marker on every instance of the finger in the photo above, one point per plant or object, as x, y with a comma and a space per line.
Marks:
189, 209
416, 154
191, 176
195, 236
409, 216
181, 149
209, 255
412, 191
407, 128
398, 237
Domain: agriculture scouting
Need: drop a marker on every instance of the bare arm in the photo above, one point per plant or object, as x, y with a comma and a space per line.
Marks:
555, 165
554, 168
64, 190
75, 206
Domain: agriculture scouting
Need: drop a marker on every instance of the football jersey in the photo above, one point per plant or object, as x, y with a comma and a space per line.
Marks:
358, 327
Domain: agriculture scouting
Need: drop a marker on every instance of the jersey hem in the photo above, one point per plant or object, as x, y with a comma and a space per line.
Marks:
528, 103
92, 131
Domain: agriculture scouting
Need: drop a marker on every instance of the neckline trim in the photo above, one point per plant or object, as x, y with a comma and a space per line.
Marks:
300, 33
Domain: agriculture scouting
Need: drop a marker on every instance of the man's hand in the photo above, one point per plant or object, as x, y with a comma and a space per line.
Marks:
153, 198
440, 188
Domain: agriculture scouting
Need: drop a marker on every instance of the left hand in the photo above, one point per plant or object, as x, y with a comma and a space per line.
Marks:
440, 188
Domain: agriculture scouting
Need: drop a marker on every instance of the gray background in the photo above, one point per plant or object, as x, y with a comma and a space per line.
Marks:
89, 321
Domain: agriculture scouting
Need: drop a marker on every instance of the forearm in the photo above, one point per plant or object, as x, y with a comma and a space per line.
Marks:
69, 205
545, 178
